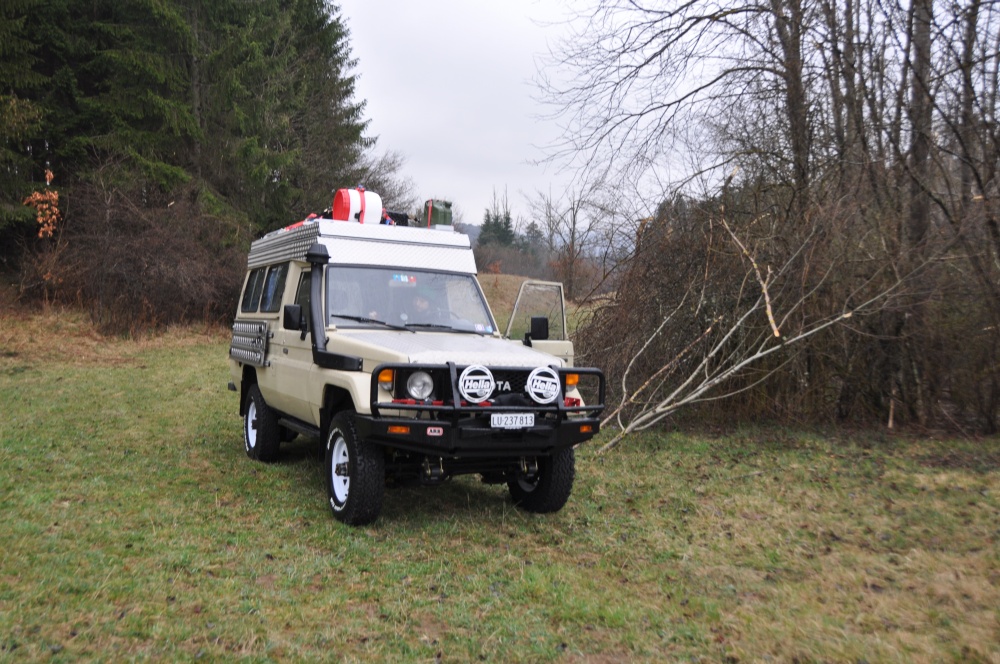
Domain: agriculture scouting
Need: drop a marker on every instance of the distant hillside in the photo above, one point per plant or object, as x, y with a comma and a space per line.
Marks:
471, 230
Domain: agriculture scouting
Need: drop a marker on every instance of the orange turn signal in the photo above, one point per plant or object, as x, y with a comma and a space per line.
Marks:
399, 429
385, 379
586, 428
572, 380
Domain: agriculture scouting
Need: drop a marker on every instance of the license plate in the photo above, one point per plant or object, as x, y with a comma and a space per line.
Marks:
512, 420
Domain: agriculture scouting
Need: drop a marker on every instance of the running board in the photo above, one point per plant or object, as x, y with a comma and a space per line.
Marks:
298, 426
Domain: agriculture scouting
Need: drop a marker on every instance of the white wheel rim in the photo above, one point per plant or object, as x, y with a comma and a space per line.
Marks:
340, 482
251, 425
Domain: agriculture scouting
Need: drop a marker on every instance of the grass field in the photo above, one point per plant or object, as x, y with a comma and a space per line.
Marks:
134, 528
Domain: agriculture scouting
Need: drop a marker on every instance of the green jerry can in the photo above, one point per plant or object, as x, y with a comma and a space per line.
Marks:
437, 213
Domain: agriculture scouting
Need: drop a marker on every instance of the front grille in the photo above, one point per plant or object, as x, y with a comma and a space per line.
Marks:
515, 379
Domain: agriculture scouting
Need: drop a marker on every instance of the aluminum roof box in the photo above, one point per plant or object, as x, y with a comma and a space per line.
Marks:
368, 244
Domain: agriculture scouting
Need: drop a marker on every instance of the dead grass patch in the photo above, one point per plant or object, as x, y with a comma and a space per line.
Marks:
67, 336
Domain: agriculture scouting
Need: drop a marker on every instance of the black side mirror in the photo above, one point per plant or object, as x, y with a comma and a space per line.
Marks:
539, 330
292, 317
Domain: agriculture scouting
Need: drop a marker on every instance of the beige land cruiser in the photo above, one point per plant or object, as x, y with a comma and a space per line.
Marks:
377, 340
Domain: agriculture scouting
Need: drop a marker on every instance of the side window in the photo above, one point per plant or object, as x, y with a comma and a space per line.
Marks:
302, 296
251, 295
274, 288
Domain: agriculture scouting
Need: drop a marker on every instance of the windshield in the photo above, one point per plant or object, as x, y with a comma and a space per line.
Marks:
414, 299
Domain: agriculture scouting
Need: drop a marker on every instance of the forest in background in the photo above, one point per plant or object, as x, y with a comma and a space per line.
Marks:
144, 144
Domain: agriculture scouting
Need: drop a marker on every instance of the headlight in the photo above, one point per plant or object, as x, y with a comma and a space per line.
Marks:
420, 385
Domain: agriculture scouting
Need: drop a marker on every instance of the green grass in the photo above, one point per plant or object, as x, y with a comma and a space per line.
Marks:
134, 528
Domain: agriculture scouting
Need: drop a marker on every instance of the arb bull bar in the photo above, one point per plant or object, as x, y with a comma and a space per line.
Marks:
450, 426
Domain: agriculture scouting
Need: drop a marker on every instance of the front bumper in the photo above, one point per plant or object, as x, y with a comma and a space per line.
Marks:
473, 436
454, 428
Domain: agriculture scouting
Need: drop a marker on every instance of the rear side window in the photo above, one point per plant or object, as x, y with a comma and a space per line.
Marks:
251, 295
274, 288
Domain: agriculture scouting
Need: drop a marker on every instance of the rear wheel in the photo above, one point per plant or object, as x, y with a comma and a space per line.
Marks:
261, 432
548, 488
355, 473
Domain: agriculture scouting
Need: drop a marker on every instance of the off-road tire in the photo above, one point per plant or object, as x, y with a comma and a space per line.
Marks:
261, 432
549, 490
355, 492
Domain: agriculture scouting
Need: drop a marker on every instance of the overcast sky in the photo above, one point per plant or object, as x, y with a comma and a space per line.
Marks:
448, 84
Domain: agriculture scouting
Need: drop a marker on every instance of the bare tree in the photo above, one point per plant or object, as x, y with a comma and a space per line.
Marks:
383, 173
641, 74
582, 228
717, 360
864, 137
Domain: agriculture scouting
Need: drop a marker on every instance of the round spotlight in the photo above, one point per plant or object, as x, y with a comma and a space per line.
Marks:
420, 385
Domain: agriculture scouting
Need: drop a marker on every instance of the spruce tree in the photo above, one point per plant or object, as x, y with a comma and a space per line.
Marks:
20, 115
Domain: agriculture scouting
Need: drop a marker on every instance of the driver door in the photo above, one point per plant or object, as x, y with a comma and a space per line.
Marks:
542, 298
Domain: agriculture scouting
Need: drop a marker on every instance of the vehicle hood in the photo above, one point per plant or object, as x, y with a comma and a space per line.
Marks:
462, 349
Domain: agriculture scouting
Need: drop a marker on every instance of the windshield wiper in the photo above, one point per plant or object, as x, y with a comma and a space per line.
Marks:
365, 319
438, 326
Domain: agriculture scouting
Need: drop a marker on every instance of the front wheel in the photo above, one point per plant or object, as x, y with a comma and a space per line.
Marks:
355, 473
548, 489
